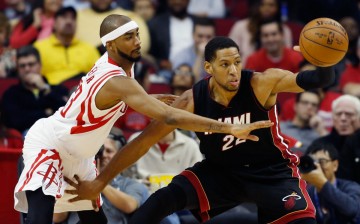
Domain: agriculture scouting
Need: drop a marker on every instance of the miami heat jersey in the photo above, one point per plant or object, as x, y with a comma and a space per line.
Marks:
228, 151
80, 127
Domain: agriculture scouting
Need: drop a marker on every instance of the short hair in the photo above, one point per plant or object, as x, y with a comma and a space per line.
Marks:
268, 21
191, 73
203, 21
314, 91
117, 135
354, 100
218, 43
111, 22
28, 51
323, 146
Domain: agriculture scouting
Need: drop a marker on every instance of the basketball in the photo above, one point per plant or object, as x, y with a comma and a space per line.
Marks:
323, 42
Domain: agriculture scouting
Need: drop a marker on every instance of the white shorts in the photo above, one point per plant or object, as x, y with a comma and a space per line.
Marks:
46, 166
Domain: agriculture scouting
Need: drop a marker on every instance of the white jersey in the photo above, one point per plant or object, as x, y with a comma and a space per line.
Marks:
80, 127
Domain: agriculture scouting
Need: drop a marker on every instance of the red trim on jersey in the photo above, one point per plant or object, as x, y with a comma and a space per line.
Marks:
97, 121
203, 200
82, 106
37, 163
308, 212
279, 140
111, 61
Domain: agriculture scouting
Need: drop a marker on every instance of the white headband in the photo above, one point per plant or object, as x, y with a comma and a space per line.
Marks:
118, 32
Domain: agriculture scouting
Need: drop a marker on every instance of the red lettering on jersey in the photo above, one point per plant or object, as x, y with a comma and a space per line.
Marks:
97, 122
74, 96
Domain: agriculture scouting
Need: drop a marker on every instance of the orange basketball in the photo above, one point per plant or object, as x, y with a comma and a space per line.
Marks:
323, 42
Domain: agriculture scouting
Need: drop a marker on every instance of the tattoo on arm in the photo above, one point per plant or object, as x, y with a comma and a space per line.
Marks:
215, 127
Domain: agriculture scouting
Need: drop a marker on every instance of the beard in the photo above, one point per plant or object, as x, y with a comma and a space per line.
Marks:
128, 57
179, 14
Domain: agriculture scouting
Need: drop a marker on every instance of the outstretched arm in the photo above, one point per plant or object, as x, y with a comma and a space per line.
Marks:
129, 91
268, 84
131, 152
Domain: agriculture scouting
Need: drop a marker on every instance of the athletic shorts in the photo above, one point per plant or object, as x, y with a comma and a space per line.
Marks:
46, 166
277, 190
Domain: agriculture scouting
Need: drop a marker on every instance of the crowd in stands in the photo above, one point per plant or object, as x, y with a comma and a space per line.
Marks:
47, 45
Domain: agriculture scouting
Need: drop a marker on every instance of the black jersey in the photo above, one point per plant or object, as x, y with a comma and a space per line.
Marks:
225, 149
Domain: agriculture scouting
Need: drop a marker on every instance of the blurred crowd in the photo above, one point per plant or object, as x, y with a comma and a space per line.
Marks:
47, 45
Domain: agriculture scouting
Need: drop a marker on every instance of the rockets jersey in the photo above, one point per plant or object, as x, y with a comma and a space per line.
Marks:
80, 127
225, 149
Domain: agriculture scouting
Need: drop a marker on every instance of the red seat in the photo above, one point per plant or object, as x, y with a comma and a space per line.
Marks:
71, 83
238, 9
5, 83
8, 164
223, 26
159, 88
296, 29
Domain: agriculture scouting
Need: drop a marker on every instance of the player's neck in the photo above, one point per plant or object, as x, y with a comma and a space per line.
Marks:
124, 64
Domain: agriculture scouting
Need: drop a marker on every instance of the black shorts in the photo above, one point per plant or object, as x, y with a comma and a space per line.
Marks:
277, 190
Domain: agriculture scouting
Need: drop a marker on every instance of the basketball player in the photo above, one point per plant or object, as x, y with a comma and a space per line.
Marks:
66, 143
235, 170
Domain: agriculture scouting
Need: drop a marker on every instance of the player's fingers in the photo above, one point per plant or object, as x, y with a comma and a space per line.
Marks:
77, 178
297, 48
77, 198
72, 183
261, 124
95, 207
253, 138
71, 192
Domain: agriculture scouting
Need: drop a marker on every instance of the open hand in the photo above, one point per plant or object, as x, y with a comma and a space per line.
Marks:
84, 190
243, 131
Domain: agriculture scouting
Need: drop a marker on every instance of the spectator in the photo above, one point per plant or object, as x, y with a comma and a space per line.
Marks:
93, 16
203, 32
350, 158
245, 32
336, 200
171, 154
346, 120
352, 29
145, 8
207, 8
36, 25
33, 98
123, 195
16, 10
273, 53
306, 125
327, 96
182, 79
171, 32
7, 54
62, 55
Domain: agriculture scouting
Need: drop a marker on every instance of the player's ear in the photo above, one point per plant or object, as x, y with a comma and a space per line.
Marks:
109, 45
208, 68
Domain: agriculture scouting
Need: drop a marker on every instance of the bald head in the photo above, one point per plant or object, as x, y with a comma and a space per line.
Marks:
112, 22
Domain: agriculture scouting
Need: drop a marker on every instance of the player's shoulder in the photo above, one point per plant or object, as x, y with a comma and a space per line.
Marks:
271, 73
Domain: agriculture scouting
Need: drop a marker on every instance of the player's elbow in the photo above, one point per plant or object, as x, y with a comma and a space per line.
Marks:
130, 207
